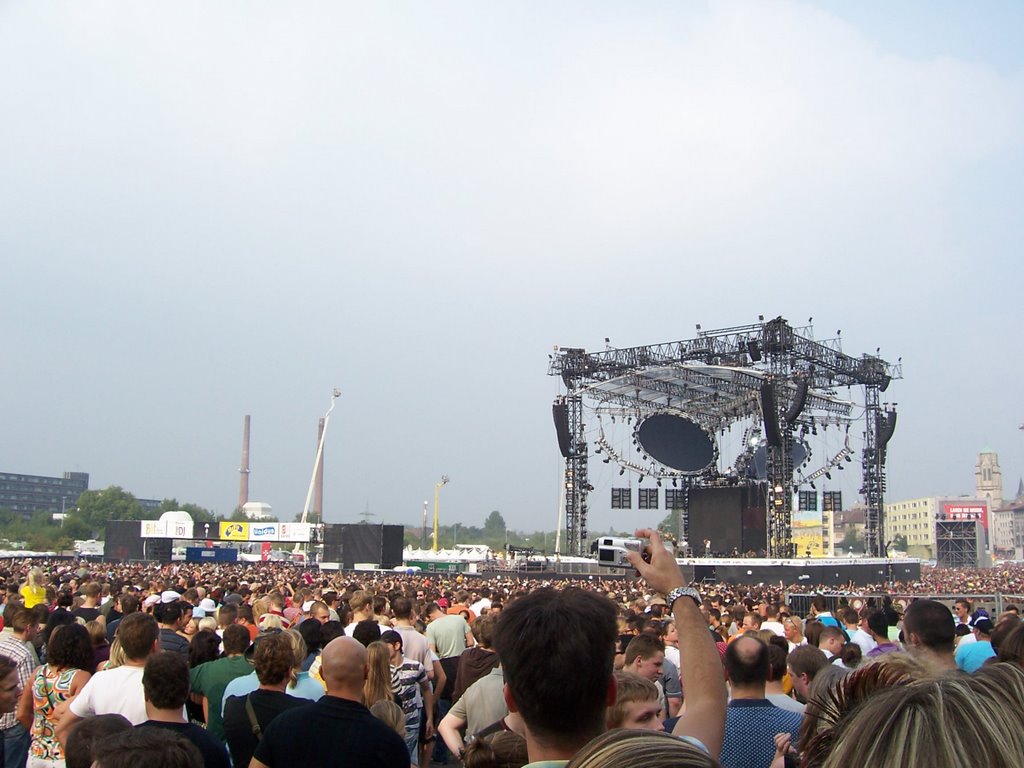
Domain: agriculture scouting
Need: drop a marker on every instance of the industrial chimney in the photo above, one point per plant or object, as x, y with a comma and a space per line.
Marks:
243, 484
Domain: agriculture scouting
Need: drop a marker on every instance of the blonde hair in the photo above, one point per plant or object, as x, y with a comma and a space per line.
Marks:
933, 721
299, 653
269, 621
390, 714
97, 632
117, 656
631, 687
207, 622
378, 679
623, 748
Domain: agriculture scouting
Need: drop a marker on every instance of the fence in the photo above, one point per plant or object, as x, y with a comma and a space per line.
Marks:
994, 603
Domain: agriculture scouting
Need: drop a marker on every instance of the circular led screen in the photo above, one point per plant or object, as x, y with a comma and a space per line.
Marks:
676, 442
760, 462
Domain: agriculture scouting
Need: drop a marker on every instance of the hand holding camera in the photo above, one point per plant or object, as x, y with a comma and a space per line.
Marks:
654, 563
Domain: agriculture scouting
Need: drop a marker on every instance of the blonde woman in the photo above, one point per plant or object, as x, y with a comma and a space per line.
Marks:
378, 680
33, 591
930, 722
390, 714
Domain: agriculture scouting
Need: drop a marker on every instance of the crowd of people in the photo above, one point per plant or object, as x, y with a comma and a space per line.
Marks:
268, 665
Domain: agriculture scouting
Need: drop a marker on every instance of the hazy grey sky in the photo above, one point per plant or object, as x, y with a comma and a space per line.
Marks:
213, 209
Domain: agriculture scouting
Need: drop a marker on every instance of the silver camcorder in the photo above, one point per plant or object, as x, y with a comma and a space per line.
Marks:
611, 551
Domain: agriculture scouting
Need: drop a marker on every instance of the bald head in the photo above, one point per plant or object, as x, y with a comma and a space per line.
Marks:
343, 666
746, 661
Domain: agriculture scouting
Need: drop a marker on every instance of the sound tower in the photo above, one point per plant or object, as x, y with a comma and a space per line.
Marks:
333, 543
560, 412
123, 541
770, 415
157, 550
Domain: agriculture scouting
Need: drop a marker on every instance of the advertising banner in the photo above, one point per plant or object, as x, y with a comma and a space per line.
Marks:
293, 531
263, 531
179, 529
966, 511
234, 531
154, 529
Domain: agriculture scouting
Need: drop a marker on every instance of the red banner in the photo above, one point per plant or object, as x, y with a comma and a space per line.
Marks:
955, 511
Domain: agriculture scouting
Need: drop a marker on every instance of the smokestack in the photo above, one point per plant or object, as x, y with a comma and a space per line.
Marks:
243, 484
318, 499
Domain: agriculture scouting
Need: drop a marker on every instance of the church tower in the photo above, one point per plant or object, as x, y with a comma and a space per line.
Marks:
988, 479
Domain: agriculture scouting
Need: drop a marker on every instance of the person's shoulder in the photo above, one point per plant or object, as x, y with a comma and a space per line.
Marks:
788, 717
124, 672
294, 715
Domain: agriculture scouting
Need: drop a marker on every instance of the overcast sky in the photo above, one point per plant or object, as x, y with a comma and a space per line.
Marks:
214, 209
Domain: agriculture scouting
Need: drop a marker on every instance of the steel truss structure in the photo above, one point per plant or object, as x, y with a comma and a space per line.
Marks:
767, 369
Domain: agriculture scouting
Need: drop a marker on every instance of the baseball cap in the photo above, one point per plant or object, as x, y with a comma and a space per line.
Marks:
169, 596
984, 626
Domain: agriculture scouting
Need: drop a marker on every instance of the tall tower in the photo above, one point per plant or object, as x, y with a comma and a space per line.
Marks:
988, 479
243, 483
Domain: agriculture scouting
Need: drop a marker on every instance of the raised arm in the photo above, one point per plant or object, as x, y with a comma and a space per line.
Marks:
700, 668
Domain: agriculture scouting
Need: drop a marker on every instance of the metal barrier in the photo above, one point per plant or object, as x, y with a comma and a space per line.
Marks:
994, 603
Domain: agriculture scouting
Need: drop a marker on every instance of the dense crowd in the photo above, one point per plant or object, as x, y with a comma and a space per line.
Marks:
270, 664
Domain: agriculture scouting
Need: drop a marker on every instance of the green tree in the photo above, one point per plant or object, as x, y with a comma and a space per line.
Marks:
112, 503
494, 526
74, 527
199, 514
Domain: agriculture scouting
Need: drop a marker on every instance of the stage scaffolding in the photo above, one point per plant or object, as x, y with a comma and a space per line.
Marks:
767, 370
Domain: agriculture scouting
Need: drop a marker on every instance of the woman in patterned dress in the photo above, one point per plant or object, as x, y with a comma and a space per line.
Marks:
69, 657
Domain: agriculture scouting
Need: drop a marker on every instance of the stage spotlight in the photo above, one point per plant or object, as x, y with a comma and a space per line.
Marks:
641, 479
622, 471
828, 475
607, 461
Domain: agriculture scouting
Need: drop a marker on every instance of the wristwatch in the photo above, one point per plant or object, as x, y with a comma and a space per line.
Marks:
678, 592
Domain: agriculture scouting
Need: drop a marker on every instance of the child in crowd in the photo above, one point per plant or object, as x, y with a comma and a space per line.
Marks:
412, 691
637, 704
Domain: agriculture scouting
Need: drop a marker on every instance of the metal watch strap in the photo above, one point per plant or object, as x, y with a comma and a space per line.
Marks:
678, 592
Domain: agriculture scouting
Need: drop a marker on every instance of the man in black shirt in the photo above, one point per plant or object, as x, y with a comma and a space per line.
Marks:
338, 725
165, 682
89, 610
274, 659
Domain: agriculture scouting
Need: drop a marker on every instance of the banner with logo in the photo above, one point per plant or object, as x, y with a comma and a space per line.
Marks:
294, 531
234, 531
154, 529
166, 529
263, 531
